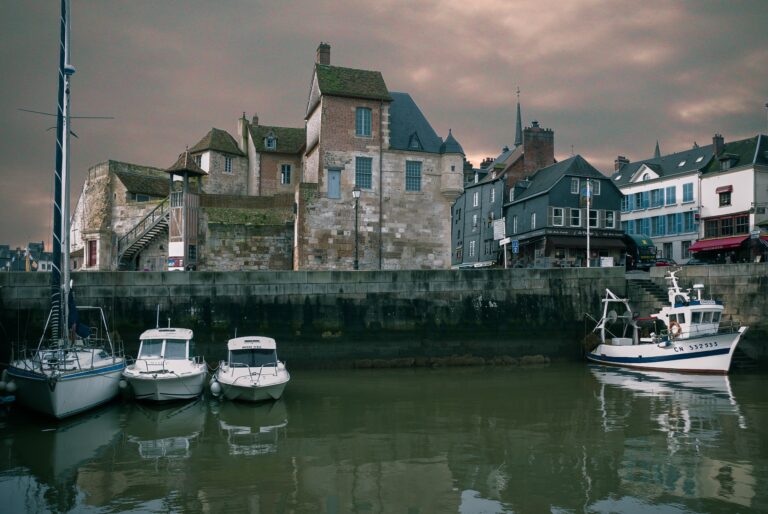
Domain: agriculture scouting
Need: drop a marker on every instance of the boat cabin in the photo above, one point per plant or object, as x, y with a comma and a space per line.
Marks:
688, 315
166, 343
252, 352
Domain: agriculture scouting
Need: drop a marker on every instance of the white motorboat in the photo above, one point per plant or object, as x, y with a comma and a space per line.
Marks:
75, 365
687, 335
166, 368
252, 371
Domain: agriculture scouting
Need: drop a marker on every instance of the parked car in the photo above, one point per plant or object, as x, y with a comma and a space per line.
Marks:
694, 261
665, 262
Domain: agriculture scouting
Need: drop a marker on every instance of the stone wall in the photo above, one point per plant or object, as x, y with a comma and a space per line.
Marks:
271, 166
331, 318
219, 182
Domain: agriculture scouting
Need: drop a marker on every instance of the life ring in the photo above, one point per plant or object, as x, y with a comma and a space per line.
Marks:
674, 328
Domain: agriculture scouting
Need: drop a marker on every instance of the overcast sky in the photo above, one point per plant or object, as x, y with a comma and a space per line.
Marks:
608, 77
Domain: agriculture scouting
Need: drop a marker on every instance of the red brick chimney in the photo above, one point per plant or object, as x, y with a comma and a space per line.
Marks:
323, 54
619, 162
538, 148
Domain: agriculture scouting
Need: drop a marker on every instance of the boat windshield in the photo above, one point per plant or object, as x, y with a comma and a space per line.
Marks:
252, 358
151, 348
175, 349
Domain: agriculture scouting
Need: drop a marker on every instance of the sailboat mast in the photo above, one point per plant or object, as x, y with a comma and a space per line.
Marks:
57, 326
65, 176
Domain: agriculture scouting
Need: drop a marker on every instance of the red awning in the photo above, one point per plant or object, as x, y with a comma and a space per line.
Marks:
722, 243
724, 189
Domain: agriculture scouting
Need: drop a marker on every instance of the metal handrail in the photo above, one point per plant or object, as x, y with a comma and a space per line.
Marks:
143, 226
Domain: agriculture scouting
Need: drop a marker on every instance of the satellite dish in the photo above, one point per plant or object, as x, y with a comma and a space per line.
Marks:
611, 316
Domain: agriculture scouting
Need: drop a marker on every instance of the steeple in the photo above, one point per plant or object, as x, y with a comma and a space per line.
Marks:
657, 152
519, 124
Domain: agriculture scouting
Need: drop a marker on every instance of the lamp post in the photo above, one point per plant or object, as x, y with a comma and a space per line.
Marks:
356, 194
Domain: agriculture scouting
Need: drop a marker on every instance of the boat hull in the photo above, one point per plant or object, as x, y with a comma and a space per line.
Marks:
244, 388
709, 354
167, 386
66, 394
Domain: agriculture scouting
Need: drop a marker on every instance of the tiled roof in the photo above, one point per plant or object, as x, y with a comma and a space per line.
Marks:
289, 140
543, 180
406, 121
217, 140
186, 163
349, 82
148, 181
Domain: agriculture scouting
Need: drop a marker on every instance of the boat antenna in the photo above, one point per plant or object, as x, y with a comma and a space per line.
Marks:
169, 322
157, 323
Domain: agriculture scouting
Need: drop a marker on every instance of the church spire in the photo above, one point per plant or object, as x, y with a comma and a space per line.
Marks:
519, 124
657, 152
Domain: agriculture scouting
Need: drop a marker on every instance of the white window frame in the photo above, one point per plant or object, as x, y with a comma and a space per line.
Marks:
476, 199
514, 224
574, 186
493, 194
283, 169
613, 219
556, 216
472, 248
570, 218
533, 221
597, 218
227, 164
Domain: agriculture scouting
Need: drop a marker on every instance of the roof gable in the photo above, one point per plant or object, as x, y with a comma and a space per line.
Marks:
743, 152
545, 178
687, 161
647, 171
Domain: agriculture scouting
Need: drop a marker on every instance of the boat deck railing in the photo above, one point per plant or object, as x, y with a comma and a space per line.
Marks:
57, 356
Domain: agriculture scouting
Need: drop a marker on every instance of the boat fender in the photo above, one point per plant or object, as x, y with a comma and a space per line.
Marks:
674, 328
10, 387
123, 385
215, 388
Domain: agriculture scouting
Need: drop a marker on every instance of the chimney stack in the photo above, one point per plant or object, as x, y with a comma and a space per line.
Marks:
538, 148
323, 54
717, 144
620, 162
242, 132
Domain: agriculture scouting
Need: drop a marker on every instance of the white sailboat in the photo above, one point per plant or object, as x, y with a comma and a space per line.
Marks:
75, 366
252, 371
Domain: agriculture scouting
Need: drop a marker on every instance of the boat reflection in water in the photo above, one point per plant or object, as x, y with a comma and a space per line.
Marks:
694, 419
53, 455
251, 429
165, 431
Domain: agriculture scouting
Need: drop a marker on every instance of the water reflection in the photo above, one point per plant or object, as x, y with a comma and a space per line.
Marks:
46, 456
688, 450
165, 431
251, 429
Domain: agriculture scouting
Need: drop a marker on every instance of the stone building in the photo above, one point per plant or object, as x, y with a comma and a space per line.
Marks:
281, 198
361, 135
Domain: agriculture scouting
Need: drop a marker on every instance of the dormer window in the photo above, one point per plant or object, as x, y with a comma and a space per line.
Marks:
270, 142
414, 143
646, 177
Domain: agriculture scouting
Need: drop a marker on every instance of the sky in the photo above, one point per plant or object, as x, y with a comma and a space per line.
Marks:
609, 77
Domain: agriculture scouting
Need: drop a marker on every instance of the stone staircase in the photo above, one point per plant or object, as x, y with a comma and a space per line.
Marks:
645, 296
141, 235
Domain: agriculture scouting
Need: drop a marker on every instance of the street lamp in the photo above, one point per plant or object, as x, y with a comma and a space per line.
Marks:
356, 195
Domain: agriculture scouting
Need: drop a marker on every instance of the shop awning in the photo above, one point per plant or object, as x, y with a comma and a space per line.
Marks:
581, 242
724, 189
722, 243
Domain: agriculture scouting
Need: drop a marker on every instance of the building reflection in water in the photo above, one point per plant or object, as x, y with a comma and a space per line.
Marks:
692, 421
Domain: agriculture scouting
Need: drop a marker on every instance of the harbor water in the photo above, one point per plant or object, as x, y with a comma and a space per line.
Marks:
562, 438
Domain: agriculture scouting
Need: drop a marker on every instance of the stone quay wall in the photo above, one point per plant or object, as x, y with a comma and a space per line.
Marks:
332, 318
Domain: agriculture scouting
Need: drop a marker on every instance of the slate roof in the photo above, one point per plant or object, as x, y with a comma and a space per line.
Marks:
667, 165
289, 140
349, 82
450, 145
405, 120
150, 181
743, 152
217, 140
545, 178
